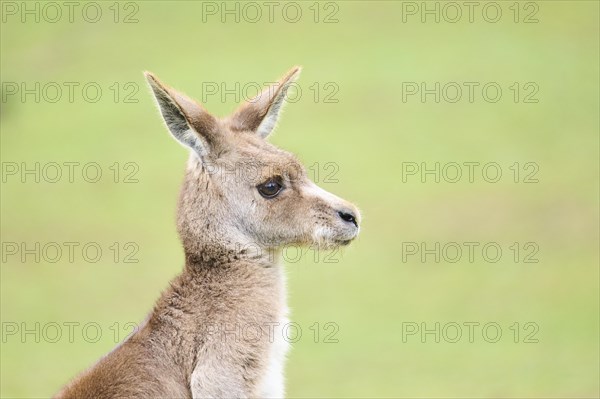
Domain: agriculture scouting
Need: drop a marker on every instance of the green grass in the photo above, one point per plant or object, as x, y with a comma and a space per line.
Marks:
369, 133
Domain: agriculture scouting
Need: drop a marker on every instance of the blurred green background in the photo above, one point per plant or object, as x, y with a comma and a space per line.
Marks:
350, 113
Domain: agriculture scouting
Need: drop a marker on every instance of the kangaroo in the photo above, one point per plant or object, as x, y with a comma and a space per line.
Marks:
216, 331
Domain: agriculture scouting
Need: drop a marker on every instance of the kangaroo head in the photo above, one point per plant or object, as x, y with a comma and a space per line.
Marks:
241, 190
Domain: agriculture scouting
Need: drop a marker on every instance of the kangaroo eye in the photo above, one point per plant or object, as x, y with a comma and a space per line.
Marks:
270, 188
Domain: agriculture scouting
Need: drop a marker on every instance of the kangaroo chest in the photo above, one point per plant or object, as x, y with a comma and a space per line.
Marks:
272, 384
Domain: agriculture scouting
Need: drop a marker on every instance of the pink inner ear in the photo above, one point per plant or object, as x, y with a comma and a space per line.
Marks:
180, 113
200, 119
266, 104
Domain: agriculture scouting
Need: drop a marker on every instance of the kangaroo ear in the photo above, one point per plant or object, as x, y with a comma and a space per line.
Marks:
187, 121
260, 114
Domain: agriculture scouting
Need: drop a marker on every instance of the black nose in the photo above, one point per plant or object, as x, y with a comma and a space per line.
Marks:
348, 217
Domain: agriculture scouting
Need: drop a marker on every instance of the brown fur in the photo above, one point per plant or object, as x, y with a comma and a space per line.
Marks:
192, 344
